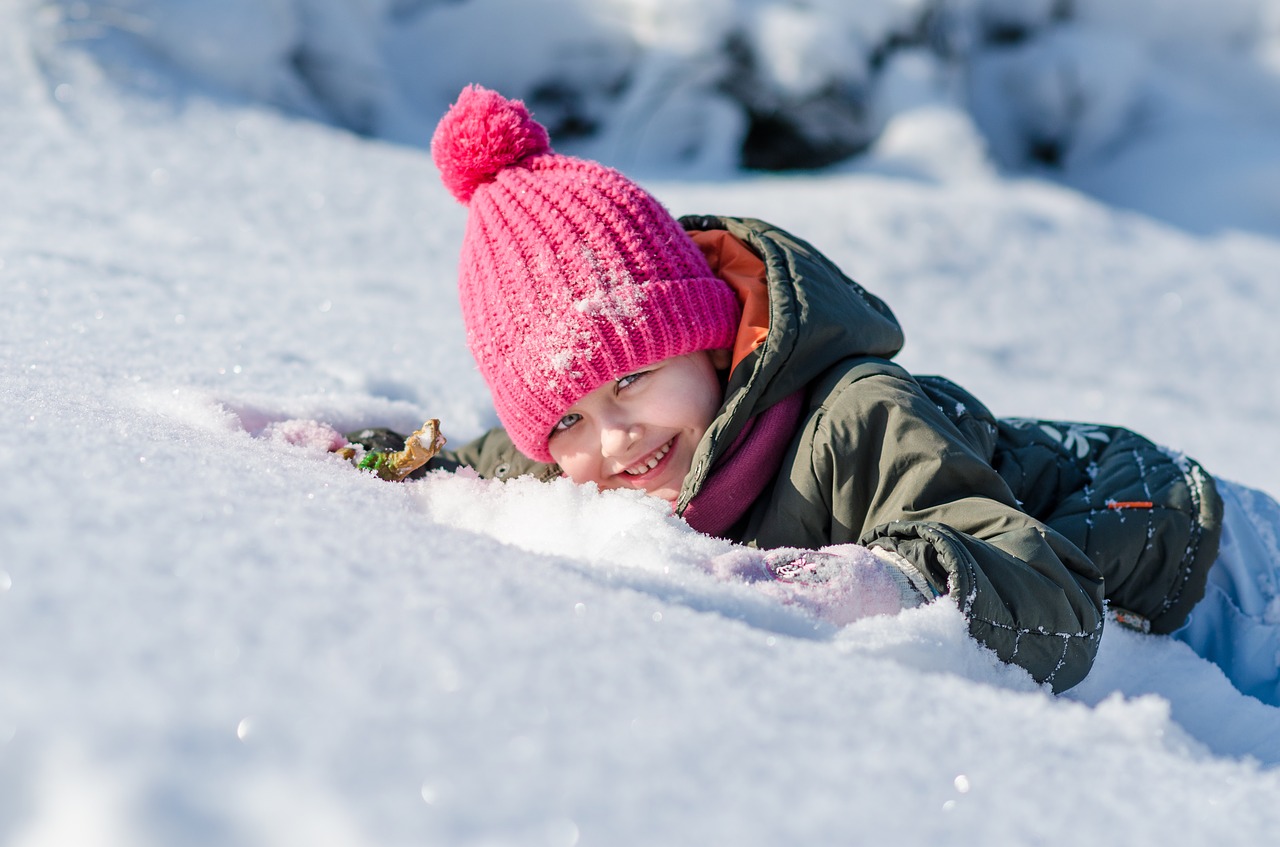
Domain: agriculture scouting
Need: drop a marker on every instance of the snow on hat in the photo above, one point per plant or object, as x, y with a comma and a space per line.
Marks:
571, 275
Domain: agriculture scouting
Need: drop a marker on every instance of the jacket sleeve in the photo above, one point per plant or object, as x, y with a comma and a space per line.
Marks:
898, 474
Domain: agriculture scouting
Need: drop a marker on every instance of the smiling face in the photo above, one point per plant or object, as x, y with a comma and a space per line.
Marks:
640, 430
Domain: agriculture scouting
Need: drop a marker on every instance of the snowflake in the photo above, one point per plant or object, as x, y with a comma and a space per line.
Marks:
1075, 438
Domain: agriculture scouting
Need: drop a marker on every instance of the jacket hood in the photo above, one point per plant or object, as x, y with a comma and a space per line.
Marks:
817, 317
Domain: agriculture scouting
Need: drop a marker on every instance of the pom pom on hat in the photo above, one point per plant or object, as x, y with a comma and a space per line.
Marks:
480, 135
570, 274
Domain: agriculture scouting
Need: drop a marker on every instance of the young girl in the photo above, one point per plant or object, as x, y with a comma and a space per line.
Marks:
730, 368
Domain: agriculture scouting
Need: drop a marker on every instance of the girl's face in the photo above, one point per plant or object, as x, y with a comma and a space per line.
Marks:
640, 430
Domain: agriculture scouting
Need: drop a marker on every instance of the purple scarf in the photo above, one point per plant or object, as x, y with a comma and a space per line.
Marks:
750, 464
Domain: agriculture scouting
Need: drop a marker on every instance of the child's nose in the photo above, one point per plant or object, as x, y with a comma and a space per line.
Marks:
615, 438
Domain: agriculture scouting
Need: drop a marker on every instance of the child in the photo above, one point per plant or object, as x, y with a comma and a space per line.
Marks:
728, 367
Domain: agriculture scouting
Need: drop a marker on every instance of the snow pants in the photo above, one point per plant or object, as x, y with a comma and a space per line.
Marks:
1237, 624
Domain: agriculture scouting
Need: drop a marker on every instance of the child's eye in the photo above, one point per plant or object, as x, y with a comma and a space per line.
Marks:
566, 422
624, 381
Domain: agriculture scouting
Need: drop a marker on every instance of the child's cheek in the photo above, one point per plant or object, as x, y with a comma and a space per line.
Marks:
572, 461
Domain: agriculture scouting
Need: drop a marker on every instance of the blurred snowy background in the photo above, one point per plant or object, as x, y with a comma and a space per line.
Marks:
217, 216
1112, 97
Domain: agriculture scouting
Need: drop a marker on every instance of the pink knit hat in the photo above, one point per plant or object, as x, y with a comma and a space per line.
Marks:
571, 275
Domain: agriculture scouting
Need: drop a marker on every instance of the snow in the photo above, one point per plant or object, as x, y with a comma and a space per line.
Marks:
214, 632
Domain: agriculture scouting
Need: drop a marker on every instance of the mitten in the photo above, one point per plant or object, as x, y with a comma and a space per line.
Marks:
374, 450
838, 584
376, 439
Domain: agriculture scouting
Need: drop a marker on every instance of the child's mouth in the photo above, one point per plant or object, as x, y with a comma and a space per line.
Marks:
649, 464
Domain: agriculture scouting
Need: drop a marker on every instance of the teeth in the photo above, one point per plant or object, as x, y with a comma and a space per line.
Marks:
652, 462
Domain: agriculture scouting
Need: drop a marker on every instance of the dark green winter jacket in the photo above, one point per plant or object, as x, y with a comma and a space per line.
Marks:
1023, 524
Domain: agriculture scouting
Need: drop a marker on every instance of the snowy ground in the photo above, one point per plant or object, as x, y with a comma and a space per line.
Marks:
208, 636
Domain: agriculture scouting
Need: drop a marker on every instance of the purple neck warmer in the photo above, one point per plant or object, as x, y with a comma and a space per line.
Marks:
750, 464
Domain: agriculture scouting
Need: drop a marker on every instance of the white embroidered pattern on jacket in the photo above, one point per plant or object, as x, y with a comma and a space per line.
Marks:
1075, 437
